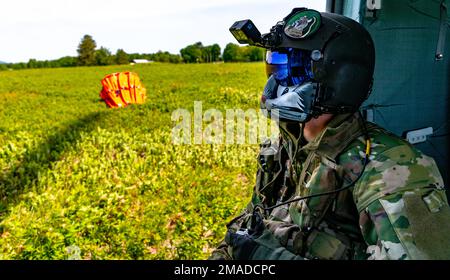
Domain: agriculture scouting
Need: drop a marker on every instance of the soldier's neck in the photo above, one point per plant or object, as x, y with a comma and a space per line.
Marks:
315, 126
298, 134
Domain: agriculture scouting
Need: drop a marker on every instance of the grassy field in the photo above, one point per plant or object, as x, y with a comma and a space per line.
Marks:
79, 180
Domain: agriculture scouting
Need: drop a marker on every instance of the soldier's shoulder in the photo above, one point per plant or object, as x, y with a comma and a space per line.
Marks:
383, 142
395, 166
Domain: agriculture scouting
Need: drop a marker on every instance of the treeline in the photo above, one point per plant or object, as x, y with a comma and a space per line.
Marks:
67, 61
90, 55
235, 53
197, 53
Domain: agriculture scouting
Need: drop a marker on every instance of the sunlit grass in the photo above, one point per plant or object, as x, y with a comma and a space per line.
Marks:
110, 182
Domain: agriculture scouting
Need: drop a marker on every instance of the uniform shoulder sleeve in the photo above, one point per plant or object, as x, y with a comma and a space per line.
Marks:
395, 167
407, 225
404, 213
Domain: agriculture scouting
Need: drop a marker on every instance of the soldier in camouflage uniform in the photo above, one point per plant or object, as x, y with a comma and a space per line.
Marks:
335, 186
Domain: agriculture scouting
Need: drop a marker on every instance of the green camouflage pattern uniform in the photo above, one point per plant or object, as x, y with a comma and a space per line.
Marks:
396, 210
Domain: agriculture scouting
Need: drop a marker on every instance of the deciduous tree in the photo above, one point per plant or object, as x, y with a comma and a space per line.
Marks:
122, 57
86, 51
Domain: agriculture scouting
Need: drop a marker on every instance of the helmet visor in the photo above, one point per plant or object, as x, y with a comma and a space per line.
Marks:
289, 67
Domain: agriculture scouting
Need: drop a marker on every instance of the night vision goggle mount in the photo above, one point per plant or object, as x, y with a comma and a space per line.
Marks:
301, 23
246, 32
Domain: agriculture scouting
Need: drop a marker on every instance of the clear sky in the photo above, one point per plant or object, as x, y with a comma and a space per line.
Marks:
50, 29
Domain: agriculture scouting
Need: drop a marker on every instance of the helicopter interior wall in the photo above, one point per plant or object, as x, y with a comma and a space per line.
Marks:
411, 88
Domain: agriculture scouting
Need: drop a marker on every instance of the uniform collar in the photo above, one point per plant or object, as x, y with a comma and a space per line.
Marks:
338, 134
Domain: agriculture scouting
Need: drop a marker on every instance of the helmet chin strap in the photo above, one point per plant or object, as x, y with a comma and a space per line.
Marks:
292, 132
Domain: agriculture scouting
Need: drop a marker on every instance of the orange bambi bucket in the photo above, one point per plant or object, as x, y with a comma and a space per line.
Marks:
121, 89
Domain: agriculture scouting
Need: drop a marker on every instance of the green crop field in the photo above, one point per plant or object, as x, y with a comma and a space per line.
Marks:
79, 180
